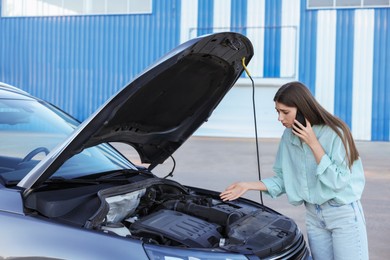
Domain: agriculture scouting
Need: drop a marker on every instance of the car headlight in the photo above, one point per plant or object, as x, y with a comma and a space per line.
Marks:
164, 253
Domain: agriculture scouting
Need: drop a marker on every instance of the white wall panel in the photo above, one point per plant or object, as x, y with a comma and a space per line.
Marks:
289, 43
255, 32
222, 15
362, 74
234, 115
326, 55
189, 19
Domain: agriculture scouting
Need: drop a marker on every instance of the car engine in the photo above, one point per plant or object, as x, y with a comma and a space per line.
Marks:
163, 212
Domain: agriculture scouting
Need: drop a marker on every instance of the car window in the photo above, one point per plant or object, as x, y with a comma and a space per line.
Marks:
27, 124
29, 130
98, 159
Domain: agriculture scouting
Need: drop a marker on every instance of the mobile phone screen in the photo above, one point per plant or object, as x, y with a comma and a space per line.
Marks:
300, 118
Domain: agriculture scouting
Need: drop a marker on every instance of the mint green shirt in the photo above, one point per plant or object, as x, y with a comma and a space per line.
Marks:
299, 176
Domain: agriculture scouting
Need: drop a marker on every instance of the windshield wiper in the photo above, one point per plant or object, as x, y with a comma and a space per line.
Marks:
58, 180
110, 177
123, 173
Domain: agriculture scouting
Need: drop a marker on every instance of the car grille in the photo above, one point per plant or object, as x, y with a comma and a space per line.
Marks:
298, 250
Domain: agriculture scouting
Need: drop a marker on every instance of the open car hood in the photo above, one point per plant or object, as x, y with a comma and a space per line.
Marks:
163, 106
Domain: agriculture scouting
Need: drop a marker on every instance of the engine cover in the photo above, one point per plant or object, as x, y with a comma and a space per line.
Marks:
177, 226
261, 233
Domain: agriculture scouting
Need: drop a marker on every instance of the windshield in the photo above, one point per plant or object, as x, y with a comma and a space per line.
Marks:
29, 130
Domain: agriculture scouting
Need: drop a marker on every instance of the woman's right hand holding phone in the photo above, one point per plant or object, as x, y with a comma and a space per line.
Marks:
307, 135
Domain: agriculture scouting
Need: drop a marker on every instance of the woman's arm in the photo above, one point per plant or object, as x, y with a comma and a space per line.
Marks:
273, 186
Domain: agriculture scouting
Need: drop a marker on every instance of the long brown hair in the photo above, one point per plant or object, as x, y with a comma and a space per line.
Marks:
295, 94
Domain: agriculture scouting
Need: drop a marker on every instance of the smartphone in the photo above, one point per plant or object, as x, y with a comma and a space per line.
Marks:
300, 118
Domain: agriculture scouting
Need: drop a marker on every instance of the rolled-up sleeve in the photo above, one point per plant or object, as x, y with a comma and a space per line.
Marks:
275, 184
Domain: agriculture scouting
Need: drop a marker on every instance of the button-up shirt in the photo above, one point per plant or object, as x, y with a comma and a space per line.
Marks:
299, 176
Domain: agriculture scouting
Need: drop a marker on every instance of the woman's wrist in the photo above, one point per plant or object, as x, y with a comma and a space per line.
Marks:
258, 185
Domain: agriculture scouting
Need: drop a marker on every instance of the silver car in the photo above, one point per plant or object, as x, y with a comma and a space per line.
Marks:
67, 193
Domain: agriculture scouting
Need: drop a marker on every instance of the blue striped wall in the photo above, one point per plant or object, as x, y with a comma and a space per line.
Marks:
205, 17
78, 62
381, 78
307, 47
239, 16
272, 38
344, 65
343, 55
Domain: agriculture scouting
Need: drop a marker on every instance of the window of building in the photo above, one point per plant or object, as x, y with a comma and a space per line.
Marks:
11, 8
333, 4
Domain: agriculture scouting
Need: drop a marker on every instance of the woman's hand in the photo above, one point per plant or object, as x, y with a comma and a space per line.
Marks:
237, 189
234, 191
307, 135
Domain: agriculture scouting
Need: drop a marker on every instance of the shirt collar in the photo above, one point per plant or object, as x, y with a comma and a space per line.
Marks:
295, 140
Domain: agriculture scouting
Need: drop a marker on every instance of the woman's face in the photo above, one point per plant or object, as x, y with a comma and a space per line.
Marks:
286, 115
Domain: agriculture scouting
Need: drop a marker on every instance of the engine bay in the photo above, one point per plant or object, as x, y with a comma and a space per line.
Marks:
163, 212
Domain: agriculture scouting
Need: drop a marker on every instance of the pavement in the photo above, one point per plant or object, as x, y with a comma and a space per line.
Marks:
214, 163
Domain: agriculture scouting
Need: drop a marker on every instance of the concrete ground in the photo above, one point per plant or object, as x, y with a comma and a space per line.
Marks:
214, 163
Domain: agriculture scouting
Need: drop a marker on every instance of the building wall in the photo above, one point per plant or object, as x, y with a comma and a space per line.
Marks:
78, 62
343, 56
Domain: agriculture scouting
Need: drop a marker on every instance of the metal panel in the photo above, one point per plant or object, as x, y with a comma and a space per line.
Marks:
363, 74
289, 39
188, 20
272, 36
205, 16
255, 32
307, 47
326, 54
221, 15
239, 16
381, 77
344, 64
77, 62
238, 19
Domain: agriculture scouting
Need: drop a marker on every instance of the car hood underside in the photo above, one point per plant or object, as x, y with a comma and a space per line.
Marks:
161, 108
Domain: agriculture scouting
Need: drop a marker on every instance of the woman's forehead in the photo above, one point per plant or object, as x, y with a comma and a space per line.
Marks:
281, 106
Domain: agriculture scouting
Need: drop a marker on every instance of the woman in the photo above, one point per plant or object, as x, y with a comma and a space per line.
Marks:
318, 165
